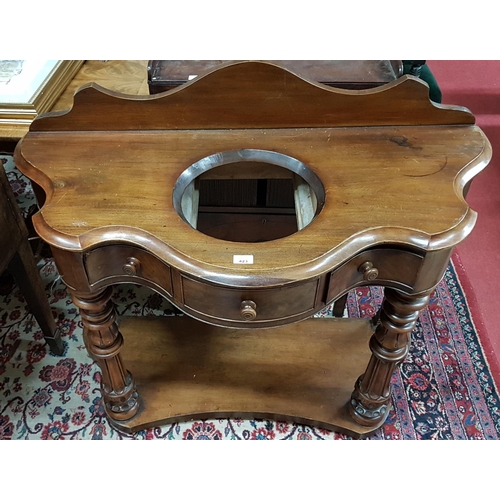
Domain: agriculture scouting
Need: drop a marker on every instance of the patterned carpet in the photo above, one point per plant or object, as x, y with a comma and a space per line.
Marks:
443, 390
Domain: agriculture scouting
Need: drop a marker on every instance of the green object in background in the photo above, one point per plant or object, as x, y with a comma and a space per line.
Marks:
425, 75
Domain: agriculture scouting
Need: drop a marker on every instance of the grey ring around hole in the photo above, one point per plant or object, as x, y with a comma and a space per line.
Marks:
240, 155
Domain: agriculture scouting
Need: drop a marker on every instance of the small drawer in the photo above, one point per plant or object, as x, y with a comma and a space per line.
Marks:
249, 305
380, 266
124, 263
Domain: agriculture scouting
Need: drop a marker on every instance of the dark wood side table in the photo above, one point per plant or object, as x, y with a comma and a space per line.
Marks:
17, 256
379, 181
354, 75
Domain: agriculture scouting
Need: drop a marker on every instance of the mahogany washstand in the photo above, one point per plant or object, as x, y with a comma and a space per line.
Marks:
378, 180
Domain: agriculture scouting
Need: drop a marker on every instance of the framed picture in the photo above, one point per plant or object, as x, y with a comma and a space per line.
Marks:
31, 87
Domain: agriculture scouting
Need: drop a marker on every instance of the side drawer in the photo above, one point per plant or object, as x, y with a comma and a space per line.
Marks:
277, 303
380, 266
128, 264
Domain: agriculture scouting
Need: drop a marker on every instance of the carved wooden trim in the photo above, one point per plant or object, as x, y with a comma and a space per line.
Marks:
255, 95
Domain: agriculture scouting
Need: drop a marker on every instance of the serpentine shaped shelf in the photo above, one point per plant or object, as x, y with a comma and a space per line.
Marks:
379, 178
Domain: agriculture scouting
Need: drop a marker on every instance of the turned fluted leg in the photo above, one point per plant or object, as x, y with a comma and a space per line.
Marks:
104, 341
389, 345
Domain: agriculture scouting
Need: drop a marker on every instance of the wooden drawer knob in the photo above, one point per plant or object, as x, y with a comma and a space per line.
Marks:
131, 268
248, 310
370, 273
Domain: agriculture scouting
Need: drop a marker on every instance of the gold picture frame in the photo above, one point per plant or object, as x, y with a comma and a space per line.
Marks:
29, 88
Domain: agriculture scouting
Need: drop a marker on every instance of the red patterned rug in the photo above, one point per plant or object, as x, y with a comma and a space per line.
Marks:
444, 390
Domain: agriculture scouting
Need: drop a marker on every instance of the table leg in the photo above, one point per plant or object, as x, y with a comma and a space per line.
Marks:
389, 345
23, 267
104, 341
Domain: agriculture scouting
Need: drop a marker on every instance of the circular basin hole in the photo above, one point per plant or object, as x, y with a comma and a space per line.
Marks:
248, 195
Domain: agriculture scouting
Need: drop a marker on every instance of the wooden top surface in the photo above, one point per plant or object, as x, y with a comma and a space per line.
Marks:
128, 77
109, 167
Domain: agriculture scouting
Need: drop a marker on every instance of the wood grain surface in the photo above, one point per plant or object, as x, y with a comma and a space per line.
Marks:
389, 170
187, 370
110, 170
248, 95
398, 185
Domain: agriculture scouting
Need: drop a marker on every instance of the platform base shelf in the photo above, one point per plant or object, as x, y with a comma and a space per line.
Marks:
302, 373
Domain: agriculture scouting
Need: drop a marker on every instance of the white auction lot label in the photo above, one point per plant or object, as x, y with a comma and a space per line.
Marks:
242, 259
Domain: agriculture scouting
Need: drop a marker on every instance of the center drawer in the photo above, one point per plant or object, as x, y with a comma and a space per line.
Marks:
249, 305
